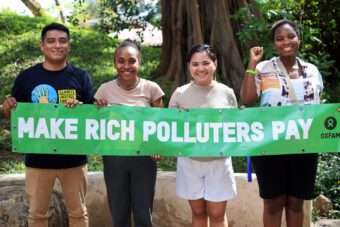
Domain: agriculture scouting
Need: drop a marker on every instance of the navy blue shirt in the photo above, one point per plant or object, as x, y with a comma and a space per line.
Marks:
38, 85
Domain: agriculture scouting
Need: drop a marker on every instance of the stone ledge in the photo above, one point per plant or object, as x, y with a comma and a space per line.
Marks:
327, 223
169, 211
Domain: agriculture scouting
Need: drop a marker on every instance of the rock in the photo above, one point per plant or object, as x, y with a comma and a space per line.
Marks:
167, 206
327, 223
169, 210
322, 204
14, 208
5, 133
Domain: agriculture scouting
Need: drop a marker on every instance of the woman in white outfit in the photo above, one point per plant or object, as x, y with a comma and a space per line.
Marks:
207, 183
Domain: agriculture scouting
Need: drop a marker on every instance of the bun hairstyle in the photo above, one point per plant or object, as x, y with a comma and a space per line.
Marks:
281, 22
128, 43
202, 48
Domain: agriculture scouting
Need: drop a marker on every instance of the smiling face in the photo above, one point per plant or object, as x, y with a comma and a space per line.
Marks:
127, 63
286, 41
55, 46
202, 68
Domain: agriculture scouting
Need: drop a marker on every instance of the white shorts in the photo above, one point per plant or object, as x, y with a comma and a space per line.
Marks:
211, 180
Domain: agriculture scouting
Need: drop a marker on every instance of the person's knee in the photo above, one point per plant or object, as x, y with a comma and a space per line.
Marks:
294, 204
200, 212
273, 206
38, 208
216, 216
216, 212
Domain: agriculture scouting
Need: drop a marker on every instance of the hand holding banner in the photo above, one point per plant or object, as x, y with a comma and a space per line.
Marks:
122, 130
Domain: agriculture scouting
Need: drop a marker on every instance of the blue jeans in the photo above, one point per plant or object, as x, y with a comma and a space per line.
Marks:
130, 184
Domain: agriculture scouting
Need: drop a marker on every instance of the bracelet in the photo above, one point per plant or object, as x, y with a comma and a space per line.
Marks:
251, 72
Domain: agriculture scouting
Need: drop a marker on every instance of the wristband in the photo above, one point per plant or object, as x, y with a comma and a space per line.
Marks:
251, 72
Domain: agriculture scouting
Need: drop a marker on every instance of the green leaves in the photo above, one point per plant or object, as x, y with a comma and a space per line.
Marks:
116, 15
318, 22
328, 180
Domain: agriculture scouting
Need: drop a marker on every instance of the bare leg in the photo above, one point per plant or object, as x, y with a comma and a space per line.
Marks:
199, 213
216, 214
294, 212
272, 211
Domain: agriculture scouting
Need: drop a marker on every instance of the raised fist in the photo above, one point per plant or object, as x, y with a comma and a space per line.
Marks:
256, 54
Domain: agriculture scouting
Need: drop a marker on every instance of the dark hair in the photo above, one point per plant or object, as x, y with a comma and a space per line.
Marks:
202, 48
54, 26
128, 43
281, 22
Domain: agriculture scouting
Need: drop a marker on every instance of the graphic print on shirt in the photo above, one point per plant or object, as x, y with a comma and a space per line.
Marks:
271, 90
275, 90
66, 94
44, 93
308, 91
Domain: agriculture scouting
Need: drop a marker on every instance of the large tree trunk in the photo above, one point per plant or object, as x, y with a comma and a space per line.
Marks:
34, 7
188, 22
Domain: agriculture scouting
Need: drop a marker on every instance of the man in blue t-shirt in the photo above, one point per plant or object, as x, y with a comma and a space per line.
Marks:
53, 81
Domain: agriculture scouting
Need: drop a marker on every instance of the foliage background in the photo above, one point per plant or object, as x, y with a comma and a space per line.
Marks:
318, 22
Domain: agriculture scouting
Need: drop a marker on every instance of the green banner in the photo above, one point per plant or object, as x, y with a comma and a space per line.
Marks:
122, 130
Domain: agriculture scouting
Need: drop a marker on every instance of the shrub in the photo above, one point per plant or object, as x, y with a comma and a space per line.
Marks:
13, 24
328, 180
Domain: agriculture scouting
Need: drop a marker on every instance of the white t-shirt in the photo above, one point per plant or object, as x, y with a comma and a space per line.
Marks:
191, 95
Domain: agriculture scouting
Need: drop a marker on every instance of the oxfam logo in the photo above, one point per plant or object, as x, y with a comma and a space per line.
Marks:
330, 123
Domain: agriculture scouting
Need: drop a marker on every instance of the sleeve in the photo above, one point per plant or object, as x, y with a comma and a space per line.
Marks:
18, 90
173, 103
259, 70
87, 89
99, 93
232, 98
156, 91
318, 78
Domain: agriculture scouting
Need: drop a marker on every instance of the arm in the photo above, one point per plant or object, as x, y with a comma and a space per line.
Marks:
248, 88
173, 100
17, 95
7, 106
88, 90
99, 99
101, 102
156, 95
233, 96
158, 103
